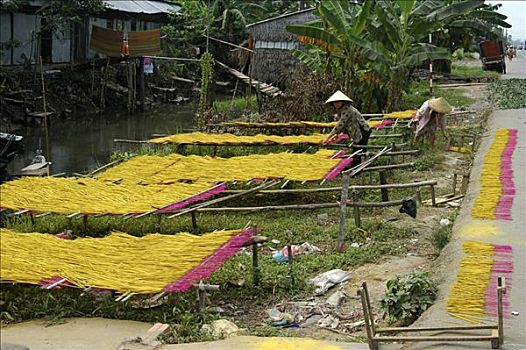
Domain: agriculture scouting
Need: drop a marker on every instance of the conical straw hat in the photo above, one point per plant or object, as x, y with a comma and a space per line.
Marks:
439, 105
338, 96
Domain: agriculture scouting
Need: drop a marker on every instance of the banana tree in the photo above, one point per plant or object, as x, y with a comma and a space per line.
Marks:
332, 32
397, 35
391, 36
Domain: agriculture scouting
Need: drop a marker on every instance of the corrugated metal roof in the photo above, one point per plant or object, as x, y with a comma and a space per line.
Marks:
141, 6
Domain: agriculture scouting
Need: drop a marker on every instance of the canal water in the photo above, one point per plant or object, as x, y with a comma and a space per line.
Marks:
84, 143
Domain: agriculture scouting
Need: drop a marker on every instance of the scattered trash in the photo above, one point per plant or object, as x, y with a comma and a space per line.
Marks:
354, 325
411, 254
223, 328
453, 204
329, 322
414, 240
311, 321
282, 256
323, 217
328, 279
409, 207
275, 241
336, 298
515, 313
355, 245
310, 248
206, 329
275, 314
240, 282
279, 257
444, 222
67, 234
217, 309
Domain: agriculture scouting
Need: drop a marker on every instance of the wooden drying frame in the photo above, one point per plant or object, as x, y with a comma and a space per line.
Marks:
374, 335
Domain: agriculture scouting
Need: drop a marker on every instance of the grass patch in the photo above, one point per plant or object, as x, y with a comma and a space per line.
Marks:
473, 72
418, 93
237, 106
442, 236
378, 239
429, 159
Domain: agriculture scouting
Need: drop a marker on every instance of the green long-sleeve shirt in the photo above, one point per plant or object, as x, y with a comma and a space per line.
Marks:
350, 121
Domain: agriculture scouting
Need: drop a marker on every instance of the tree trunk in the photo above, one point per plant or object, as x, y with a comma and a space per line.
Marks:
394, 90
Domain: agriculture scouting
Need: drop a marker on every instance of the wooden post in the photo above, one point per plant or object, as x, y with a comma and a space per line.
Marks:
201, 296
103, 86
250, 68
464, 184
290, 259
141, 83
383, 181
433, 198
419, 195
130, 85
343, 210
92, 79
255, 265
46, 128
85, 222
454, 183
158, 225
501, 289
373, 345
356, 210
194, 222
32, 219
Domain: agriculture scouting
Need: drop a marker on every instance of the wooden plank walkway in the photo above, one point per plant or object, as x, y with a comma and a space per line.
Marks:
265, 88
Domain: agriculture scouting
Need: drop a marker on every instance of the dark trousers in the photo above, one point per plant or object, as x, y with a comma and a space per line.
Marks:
365, 139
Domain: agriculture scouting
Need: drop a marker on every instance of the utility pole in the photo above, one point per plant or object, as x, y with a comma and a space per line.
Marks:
430, 68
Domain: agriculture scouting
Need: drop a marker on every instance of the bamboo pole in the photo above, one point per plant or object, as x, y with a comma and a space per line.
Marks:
390, 167
203, 206
343, 210
46, 127
356, 209
339, 188
302, 206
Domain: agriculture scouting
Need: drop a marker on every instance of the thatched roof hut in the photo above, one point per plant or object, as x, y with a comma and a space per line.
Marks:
274, 63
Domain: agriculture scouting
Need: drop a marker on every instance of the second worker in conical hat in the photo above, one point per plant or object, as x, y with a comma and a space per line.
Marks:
350, 122
429, 118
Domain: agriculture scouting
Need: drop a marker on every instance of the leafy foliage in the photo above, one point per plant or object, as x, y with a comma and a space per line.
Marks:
59, 15
207, 73
408, 297
509, 94
384, 40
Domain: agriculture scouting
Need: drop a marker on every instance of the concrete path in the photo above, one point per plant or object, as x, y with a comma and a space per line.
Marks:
493, 231
517, 67
74, 334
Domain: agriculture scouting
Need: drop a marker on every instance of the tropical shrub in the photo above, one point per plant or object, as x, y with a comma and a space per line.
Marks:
408, 297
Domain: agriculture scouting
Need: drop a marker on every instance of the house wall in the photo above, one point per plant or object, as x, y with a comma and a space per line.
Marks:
5, 37
25, 26
61, 47
274, 62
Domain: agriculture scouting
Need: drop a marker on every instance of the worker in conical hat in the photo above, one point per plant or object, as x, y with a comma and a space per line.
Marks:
429, 118
350, 121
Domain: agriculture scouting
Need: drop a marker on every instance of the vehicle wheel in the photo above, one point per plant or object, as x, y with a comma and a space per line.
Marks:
500, 68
